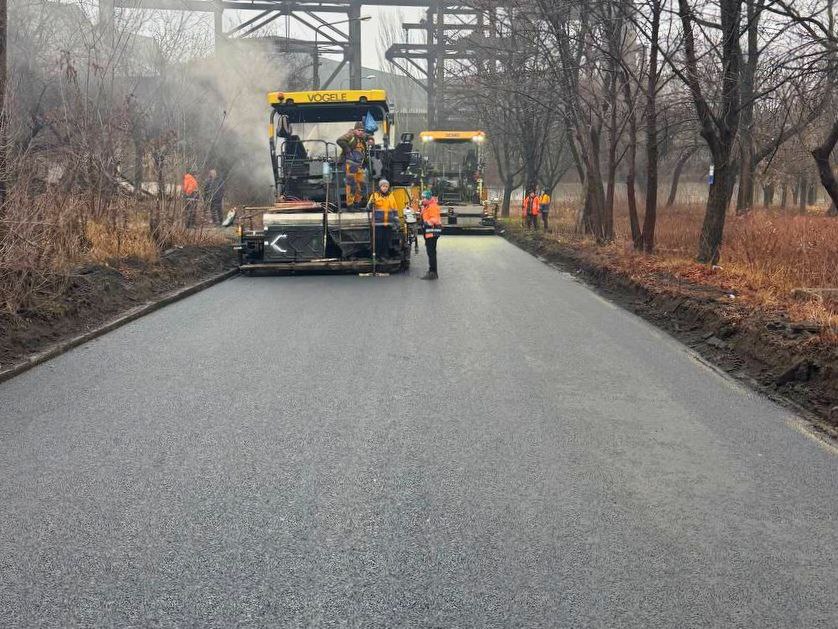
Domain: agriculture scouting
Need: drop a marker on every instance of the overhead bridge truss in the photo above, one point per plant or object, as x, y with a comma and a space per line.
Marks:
335, 27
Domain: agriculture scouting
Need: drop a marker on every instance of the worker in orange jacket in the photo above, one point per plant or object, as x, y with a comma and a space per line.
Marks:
387, 215
191, 196
432, 227
530, 209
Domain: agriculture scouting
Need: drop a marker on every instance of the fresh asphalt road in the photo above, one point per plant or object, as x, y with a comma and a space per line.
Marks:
498, 448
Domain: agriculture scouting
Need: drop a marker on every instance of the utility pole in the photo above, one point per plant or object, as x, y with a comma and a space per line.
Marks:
354, 45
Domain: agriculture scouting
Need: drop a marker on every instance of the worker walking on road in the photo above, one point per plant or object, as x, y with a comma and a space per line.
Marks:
354, 145
386, 216
191, 195
530, 209
544, 207
432, 228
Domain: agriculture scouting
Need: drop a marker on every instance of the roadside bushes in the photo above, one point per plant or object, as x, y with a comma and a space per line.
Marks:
45, 237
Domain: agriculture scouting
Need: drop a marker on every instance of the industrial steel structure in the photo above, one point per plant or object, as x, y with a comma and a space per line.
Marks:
454, 34
450, 30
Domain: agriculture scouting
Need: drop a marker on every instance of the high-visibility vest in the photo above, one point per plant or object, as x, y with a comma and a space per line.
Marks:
190, 185
531, 205
431, 219
544, 200
386, 208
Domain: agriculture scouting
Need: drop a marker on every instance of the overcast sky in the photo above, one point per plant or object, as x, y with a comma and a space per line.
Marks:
371, 29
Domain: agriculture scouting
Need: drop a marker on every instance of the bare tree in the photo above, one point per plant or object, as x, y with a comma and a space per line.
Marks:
719, 125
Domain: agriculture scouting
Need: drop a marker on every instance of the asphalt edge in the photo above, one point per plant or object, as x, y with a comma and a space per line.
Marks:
131, 315
813, 425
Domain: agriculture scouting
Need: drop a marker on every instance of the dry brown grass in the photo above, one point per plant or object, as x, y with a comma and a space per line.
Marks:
45, 237
766, 254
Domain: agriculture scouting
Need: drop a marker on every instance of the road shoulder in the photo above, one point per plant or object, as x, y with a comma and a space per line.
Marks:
101, 298
788, 361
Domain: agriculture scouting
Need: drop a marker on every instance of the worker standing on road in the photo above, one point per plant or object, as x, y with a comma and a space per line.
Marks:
191, 194
544, 207
530, 209
354, 145
214, 196
386, 215
432, 228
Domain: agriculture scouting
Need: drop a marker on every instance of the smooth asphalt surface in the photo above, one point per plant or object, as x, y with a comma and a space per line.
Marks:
501, 448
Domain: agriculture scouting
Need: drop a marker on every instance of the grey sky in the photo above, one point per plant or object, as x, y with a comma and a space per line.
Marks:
372, 29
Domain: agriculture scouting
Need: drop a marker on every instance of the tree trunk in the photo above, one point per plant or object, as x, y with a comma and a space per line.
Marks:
784, 195
768, 194
613, 140
592, 211
577, 159
611, 182
802, 194
595, 197
745, 196
822, 155
650, 219
676, 175
718, 129
712, 231
631, 174
507, 196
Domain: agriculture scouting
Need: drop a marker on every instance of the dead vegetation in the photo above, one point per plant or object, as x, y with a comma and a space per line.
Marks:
768, 254
47, 238
100, 124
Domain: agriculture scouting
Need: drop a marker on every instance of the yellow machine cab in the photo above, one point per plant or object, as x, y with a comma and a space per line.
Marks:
452, 168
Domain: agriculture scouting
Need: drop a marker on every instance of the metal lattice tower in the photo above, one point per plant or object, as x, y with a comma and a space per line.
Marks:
341, 35
454, 34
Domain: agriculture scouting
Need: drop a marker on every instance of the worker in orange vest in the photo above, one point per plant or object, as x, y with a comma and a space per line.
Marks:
191, 196
530, 209
432, 228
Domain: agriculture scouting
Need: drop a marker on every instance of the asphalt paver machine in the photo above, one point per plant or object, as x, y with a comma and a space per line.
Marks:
453, 170
310, 226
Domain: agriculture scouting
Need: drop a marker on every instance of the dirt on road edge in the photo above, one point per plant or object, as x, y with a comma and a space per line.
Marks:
99, 293
792, 362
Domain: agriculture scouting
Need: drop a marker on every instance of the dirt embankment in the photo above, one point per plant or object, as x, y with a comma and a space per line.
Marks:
96, 293
794, 360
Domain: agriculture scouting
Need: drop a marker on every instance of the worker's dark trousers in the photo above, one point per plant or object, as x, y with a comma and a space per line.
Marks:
382, 241
532, 221
430, 246
190, 208
544, 217
215, 212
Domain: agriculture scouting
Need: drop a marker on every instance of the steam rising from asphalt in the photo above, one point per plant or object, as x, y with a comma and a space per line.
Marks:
161, 68
235, 82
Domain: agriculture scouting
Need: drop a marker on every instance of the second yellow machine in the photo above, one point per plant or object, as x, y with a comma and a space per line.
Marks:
452, 168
